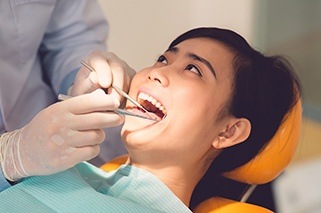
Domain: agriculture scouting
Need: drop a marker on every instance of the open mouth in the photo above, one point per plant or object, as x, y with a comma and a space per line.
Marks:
152, 105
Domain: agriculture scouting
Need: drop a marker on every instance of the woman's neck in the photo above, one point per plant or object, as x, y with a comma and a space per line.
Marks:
180, 175
181, 181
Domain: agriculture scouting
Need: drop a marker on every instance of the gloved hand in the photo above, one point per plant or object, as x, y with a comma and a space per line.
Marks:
59, 137
109, 70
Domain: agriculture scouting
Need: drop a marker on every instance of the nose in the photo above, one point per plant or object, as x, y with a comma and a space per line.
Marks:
159, 76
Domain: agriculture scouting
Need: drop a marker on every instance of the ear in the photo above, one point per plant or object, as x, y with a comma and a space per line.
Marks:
237, 131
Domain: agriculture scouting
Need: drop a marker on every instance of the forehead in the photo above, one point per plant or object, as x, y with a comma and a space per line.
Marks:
218, 54
207, 47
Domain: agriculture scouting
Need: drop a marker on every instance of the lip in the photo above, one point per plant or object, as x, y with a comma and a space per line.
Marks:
152, 93
147, 91
148, 123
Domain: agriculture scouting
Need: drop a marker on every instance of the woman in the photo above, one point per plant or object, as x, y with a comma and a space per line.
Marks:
213, 95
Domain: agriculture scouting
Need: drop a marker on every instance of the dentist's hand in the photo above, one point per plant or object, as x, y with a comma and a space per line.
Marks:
59, 137
109, 70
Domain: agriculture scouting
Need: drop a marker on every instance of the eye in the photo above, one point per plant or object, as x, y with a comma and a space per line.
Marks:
194, 69
162, 59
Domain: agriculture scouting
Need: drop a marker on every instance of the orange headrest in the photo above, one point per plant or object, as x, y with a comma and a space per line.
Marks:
272, 160
223, 205
114, 163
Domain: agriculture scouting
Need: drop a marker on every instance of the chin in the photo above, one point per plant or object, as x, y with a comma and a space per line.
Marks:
137, 129
142, 131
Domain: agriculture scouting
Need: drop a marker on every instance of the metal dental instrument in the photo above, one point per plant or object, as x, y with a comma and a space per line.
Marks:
125, 112
121, 92
63, 97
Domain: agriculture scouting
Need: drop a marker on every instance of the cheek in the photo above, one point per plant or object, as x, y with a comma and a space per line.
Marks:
142, 74
137, 79
195, 119
197, 111
191, 101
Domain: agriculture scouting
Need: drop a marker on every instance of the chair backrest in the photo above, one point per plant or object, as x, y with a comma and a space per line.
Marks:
265, 167
273, 159
114, 163
223, 205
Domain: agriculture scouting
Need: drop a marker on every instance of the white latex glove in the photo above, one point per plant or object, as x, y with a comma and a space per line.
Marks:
59, 137
109, 70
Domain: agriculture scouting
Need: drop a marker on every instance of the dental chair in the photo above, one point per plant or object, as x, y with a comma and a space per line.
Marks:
264, 168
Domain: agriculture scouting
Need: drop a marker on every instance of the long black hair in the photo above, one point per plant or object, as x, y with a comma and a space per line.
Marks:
265, 89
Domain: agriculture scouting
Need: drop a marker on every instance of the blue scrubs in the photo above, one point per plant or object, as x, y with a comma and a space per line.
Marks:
86, 188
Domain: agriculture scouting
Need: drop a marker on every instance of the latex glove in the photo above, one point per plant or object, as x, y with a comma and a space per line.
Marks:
109, 70
59, 137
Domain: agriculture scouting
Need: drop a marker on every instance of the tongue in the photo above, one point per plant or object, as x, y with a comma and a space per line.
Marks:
152, 109
143, 113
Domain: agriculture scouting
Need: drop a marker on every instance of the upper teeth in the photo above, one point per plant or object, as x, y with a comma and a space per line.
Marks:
152, 100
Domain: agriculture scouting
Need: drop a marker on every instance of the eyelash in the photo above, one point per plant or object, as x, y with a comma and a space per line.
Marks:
161, 59
188, 67
198, 72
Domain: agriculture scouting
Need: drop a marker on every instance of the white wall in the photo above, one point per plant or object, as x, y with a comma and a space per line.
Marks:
140, 30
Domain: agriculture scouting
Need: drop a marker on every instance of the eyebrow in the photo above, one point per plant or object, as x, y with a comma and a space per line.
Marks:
195, 57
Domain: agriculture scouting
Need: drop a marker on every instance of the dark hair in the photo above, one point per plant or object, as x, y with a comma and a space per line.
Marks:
265, 89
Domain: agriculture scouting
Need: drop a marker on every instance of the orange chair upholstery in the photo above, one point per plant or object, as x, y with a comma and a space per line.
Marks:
273, 159
222, 205
265, 167
114, 163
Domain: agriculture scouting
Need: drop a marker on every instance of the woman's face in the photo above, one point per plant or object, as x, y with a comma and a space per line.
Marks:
188, 86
